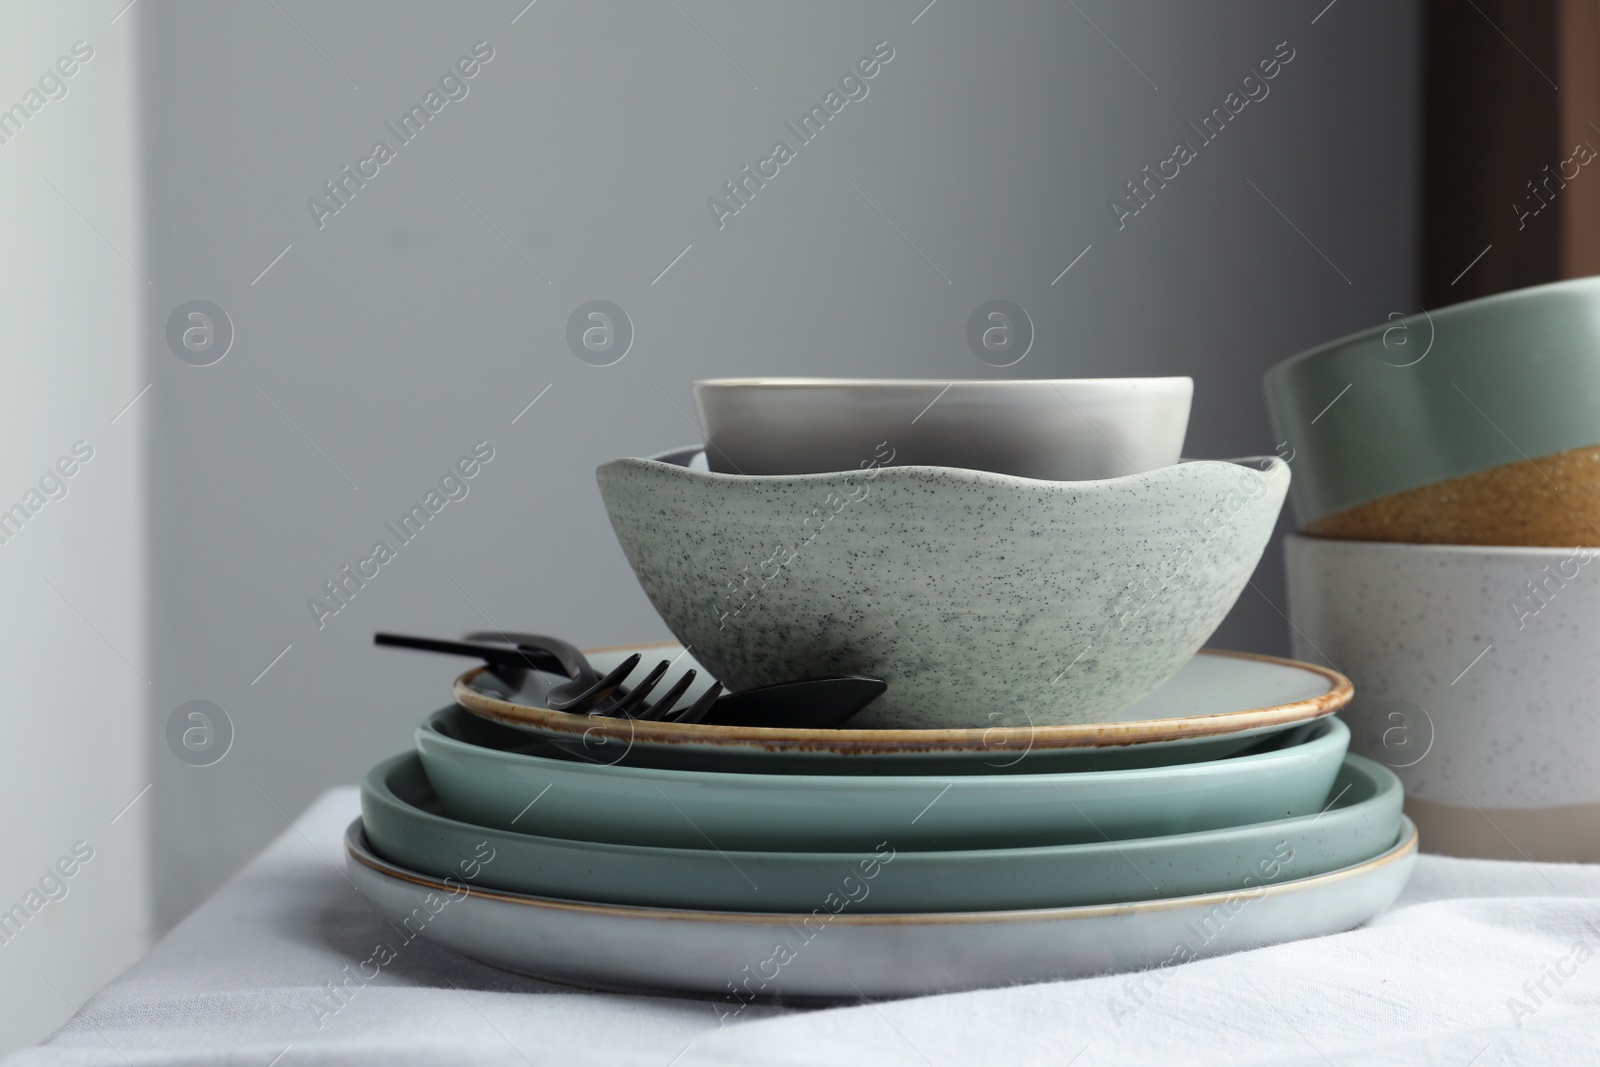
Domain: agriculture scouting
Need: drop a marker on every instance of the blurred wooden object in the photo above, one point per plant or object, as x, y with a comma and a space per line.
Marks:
1511, 152
1578, 39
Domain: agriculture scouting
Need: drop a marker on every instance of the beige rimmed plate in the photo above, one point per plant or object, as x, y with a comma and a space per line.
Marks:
1217, 705
743, 956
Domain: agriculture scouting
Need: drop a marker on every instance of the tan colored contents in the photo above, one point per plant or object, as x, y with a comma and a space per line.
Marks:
1550, 501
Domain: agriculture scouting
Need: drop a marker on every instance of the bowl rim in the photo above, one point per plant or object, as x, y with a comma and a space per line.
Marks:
1466, 308
1443, 548
1000, 739
678, 460
1173, 382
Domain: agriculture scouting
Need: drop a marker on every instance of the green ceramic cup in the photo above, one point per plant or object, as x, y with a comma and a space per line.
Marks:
1436, 395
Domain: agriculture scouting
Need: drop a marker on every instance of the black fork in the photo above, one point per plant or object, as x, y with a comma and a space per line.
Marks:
808, 703
589, 692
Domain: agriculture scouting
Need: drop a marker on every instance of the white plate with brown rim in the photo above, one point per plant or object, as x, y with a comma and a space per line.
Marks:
742, 957
1217, 705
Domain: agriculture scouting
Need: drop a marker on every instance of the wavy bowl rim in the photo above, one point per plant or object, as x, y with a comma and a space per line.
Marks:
677, 459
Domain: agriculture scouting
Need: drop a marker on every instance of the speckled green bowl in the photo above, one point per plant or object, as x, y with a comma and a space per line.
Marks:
984, 600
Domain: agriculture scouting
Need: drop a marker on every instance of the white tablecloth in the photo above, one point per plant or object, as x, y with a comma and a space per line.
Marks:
1451, 975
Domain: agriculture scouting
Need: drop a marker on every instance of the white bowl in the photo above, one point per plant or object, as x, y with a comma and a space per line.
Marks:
1476, 680
1063, 429
982, 599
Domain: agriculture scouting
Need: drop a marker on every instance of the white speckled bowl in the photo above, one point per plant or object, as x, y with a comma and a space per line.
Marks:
1476, 680
982, 599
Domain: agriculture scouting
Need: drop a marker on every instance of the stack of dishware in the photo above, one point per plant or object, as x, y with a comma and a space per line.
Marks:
1447, 482
1055, 781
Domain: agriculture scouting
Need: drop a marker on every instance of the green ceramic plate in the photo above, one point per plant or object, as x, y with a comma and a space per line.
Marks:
495, 776
404, 825
1218, 704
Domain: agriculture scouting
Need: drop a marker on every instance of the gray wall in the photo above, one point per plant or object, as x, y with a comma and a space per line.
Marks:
414, 322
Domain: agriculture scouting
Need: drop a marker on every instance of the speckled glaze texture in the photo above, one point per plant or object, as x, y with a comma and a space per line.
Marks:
1515, 726
982, 599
